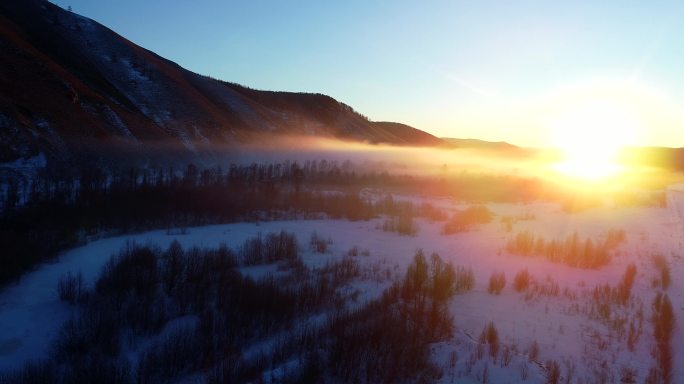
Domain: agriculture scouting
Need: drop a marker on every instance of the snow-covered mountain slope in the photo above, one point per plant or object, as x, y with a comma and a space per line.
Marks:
70, 87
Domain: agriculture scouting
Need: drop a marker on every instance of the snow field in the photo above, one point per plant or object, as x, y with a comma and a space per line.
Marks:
31, 313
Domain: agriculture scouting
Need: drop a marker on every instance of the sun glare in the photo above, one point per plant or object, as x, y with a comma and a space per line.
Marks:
590, 136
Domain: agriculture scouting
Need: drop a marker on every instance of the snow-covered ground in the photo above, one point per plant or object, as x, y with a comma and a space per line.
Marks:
31, 313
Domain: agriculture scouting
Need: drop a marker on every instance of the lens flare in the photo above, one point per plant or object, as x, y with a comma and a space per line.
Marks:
590, 136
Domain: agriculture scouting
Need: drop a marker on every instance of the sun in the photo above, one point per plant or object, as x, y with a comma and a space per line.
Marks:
590, 135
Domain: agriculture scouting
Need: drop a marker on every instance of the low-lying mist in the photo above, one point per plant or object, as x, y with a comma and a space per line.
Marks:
641, 168
650, 168
381, 157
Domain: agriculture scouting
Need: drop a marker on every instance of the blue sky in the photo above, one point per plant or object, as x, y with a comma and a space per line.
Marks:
496, 70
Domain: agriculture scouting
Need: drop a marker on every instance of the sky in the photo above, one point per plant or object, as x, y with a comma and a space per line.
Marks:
493, 70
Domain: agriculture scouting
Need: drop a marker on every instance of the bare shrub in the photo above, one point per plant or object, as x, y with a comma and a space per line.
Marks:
399, 347
465, 279
33, 372
663, 327
490, 337
628, 375
135, 271
552, 372
615, 237
465, 220
402, 224
663, 268
169, 357
99, 369
665, 278
172, 265
572, 250
624, 288
653, 376
252, 252
70, 287
317, 243
431, 212
280, 246
497, 282
533, 352
521, 281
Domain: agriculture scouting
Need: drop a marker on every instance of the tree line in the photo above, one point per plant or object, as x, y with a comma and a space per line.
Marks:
56, 211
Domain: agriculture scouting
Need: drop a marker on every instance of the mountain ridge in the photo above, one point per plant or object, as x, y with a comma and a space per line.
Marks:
72, 89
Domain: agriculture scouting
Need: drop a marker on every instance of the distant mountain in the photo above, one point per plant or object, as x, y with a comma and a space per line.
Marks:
479, 144
493, 148
405, 134
659, 157
72, 89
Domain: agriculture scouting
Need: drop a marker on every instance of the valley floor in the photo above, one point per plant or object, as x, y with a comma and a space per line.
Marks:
563, 324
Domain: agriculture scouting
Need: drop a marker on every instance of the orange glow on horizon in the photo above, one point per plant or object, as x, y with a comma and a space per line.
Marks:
590, 133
